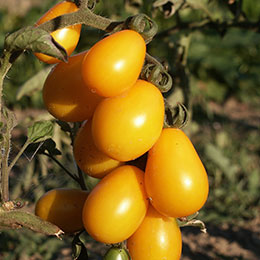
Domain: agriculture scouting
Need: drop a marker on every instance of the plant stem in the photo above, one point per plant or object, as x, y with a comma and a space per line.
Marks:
82, 16
4, 170
62, 166
81, 179
5, 65
18, 155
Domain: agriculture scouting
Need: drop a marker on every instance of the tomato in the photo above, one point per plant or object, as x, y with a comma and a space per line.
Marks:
88, 157
127, 126
175, 178
158, 237
62, 207
65, 95
116, 254
113, 64
67, 37
116, 206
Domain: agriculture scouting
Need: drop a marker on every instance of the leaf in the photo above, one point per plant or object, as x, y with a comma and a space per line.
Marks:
15, 219
65, 127
50, 146
168, 7
40, 131
193, 223
35, 83
79, 251
36, 40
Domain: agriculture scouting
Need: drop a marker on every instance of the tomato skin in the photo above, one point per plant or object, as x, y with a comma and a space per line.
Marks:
175, 178
62, 207
65, 95
116, 206
158, 237
67, 37
116, 254
113, 64
88, 157
127, 126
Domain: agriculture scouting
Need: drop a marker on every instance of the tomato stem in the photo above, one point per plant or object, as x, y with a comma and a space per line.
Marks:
62, 166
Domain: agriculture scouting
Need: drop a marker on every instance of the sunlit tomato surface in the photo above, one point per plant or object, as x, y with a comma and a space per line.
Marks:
175, 178
157, 238
67, 37
116, 254
116, 206
127, 126
62, 207
88, 157
65, 95
113, 64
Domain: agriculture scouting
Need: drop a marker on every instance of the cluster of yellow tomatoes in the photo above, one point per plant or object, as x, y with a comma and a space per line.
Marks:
122, 119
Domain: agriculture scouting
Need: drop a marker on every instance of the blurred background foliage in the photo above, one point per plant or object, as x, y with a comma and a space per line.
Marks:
212, 50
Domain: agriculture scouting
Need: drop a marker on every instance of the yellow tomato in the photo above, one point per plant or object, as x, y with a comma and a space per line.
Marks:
65, 95
113, 64
88, 157
62, 207
116, 206
157, 238
67, 37
175, 178
127, 126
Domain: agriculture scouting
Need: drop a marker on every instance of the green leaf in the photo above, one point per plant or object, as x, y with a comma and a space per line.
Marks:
36, 40
40, 131
35, 83
79, 251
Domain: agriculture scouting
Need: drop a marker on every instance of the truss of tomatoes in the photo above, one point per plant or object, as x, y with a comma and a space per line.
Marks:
123, 119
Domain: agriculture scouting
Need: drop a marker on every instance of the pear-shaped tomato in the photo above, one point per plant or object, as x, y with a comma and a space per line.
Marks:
89, 159
62, 207
116, 206
158, 237
65, 95
113, 64
127, 126
67, 37
175, 178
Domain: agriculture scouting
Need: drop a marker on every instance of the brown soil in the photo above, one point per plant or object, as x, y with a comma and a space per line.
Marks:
226, 242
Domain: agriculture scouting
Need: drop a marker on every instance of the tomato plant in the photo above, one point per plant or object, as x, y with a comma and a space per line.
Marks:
62, 207
65, 95
175, 178
116, 206
88, 157
127, 126
158, 237
67, 37
113, 64
116, 254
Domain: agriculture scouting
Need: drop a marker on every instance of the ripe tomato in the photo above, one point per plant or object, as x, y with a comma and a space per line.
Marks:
175, 178
88, 157
65, 95
116, 206
62, 207
127, 126
116, 254
158, 237
67, 37
113, 64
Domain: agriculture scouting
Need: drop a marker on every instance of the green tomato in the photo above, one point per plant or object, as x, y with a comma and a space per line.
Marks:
116, 254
